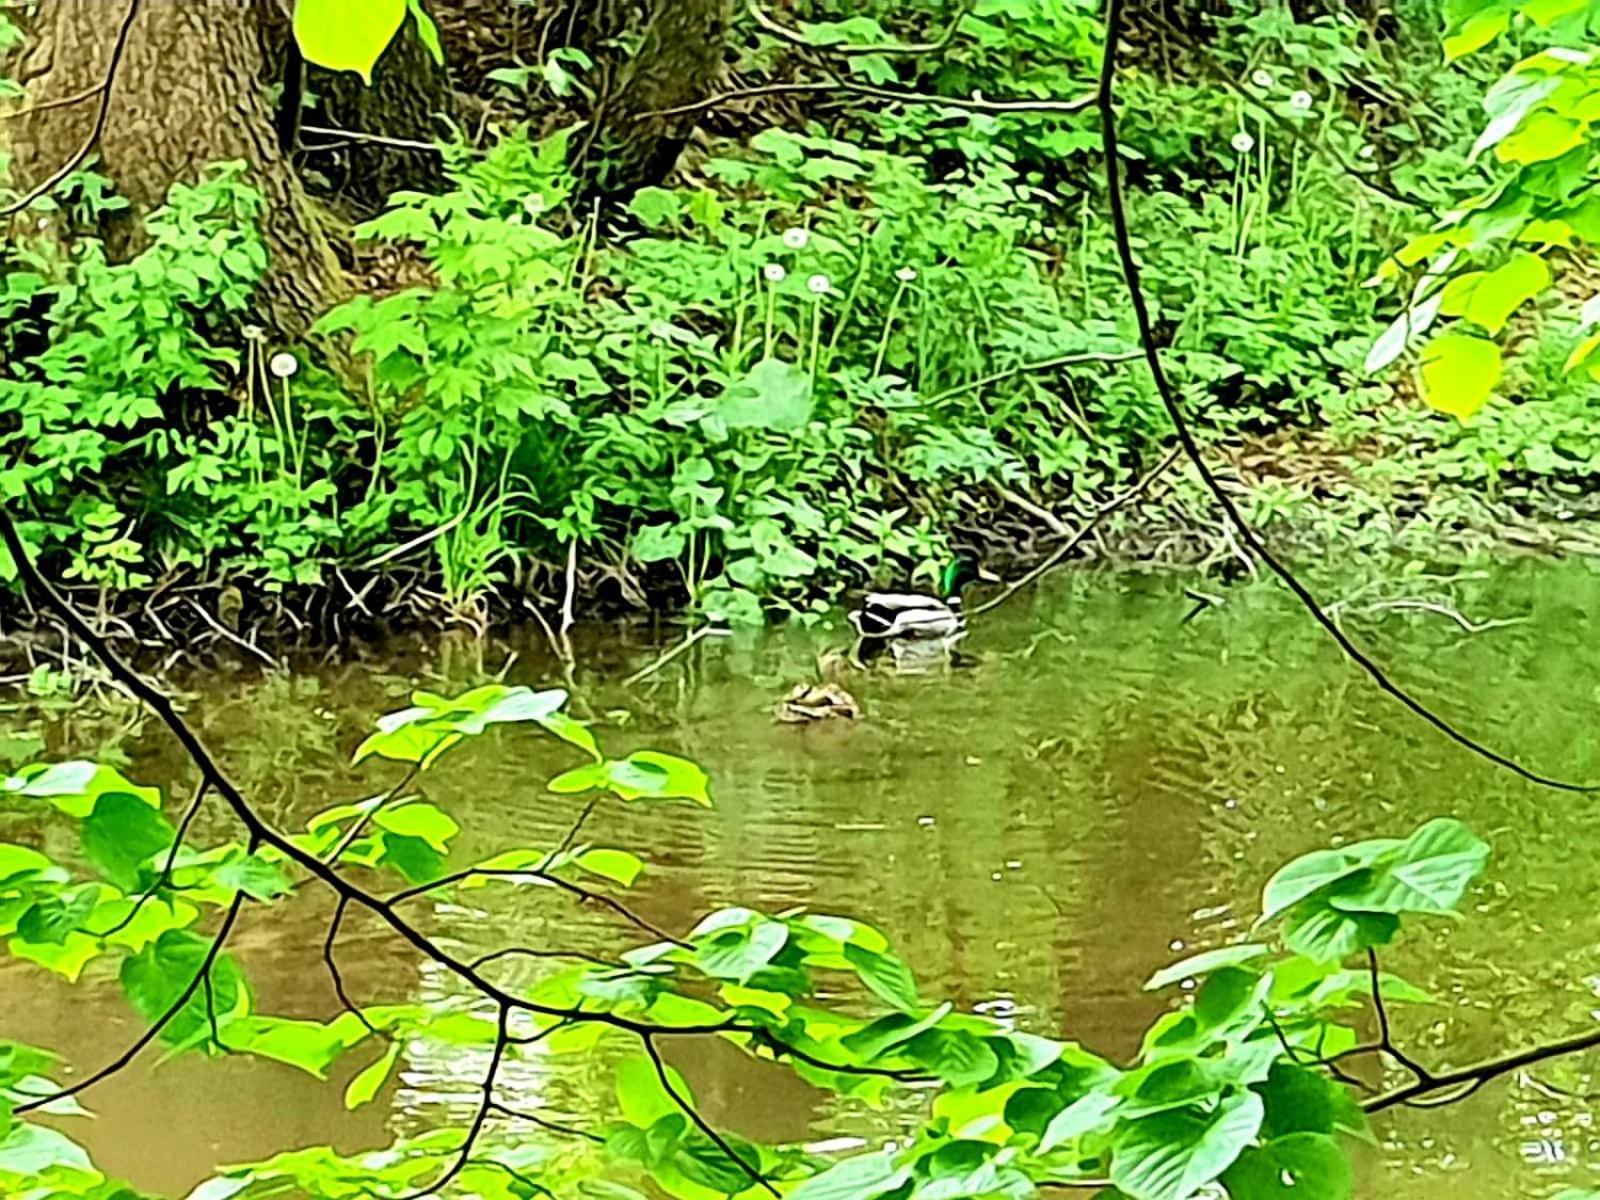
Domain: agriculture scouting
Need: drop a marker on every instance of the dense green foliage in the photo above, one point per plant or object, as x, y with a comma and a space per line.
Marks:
1230, 1084
834, 345
843, 341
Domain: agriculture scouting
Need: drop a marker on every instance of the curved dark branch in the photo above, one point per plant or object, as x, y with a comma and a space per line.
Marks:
1106, 101
700, 1122
502, 1039
1459, 1084
330, 959
202, 977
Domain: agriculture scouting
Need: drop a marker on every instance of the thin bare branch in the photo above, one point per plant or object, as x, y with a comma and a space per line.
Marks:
50, 182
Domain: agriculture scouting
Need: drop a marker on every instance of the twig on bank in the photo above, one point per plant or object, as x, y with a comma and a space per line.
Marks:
1106, 102
1044, 515
59, 102
847, 88
376, 139
233, 637
1029, 368
645, 672
1072, 543
1413, 604
76, 159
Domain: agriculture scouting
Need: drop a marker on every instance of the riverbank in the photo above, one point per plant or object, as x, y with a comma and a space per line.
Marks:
1303, 497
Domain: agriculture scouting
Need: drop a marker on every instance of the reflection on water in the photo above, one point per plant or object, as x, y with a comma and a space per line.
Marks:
1107, 788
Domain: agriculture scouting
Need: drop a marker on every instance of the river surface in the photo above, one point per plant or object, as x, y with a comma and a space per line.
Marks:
1106, 787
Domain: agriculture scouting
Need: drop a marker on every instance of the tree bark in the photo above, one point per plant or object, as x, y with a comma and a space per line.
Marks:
679, 62
193, 88
409, 99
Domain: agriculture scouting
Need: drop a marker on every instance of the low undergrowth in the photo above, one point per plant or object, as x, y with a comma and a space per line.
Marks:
831, 351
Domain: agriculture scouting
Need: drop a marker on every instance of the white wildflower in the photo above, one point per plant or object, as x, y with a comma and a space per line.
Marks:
1261, 77
819, 284
283, 364
796, 238
1242, 143
774, 273
1367, 151
1300, 101
906, 274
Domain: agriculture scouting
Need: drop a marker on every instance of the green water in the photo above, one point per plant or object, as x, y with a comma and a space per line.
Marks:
1107, 786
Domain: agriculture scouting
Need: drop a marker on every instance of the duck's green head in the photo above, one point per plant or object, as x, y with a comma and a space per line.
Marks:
962, 570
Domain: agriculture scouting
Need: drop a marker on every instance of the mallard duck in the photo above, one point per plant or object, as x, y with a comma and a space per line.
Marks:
914, 619
817, 702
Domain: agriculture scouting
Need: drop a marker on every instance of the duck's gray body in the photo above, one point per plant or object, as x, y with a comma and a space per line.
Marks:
896, 616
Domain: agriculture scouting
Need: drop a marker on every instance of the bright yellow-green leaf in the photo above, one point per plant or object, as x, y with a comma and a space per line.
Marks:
1457, 293
1548, 12
1541, 137
1583, 351
365, 1086
619, 866
1475, 33
1489, 298
347, 35
1459, 372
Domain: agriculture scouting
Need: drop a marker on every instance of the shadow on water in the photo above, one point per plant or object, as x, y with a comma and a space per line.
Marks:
1107, 788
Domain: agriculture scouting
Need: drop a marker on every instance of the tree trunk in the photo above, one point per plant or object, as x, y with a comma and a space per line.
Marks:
409, 99
679, 62
193, 88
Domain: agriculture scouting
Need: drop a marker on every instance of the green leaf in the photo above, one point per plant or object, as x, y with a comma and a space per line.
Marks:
308, 1045
421, 820
31, 1150
366, 1086
1476, 32
739, 953
54, 918
414, 857
619, 866
644, 1101
163, 971
774, 395
1310, 873
1302, 1166
886, 977
961, 1059
862, 1178
1301, 1100
121, 834
73, 787
1488, 299
427, 31
1324, 934
1169, 1156
657, 775
1430, 873
1084, 1115
1199, 965
347, 35
570, 729
254, 876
